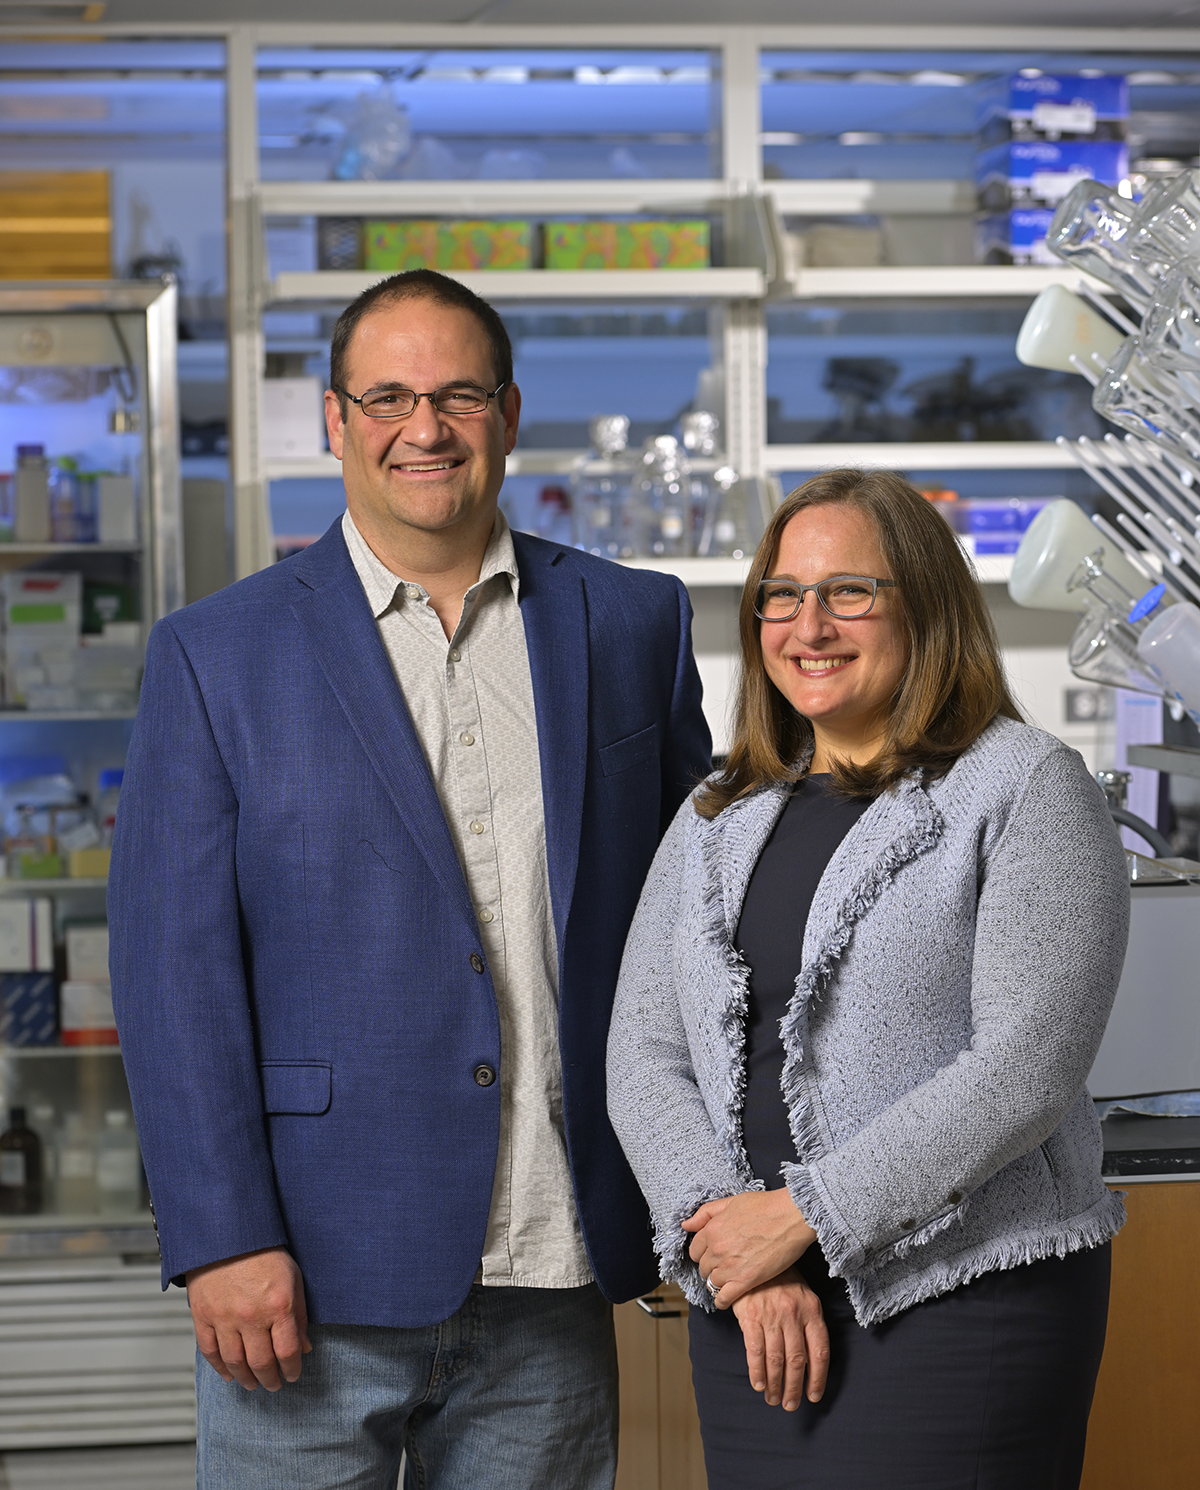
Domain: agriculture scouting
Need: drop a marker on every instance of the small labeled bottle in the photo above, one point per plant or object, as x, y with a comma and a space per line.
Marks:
118, 1165
20, 1167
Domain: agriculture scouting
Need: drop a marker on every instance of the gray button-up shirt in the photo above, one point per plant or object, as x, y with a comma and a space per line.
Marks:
471, 703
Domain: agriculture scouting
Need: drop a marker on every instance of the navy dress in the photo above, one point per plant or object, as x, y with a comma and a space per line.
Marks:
987, 1387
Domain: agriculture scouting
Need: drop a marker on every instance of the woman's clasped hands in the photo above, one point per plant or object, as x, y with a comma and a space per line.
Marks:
745, 1247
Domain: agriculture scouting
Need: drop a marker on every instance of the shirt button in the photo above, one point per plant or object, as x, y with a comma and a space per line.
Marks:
476, 826
467, 738
476, 962
455, 655
412, 592
485, 915
484, 1075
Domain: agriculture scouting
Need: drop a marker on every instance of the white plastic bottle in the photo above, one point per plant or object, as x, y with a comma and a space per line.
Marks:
118, 1165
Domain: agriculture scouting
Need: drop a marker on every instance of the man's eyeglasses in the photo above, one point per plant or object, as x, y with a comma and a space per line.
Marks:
399, 403
846, 597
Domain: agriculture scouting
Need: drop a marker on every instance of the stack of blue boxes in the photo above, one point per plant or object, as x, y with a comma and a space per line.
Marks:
1041, 134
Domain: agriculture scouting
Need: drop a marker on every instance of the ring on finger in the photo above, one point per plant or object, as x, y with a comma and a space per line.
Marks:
713, 1288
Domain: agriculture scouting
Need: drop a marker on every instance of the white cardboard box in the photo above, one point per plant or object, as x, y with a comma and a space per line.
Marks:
87, 952
293, 423
26, 935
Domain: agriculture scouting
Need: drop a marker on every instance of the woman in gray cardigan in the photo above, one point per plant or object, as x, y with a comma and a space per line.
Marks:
869, 973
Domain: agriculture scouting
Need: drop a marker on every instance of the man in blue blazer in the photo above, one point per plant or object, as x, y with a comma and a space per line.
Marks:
386, 815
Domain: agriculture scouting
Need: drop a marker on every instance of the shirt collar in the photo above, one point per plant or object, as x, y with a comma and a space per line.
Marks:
381, 583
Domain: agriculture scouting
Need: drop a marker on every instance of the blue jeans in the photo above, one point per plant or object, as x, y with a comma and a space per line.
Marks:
517, 1389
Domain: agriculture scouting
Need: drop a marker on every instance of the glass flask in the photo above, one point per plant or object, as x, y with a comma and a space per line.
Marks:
1170, 334
663, 500
1169, 214
699, 432
1096, 229
1104, 648
1149, 401
601, 488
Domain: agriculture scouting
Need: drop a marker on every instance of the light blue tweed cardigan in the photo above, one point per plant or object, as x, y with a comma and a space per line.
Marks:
960, 959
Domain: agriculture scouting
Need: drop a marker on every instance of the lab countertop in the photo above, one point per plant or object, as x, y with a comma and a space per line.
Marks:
1137, 1146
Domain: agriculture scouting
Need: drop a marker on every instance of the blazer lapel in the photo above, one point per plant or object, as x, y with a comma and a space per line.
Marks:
332, 608
554, 613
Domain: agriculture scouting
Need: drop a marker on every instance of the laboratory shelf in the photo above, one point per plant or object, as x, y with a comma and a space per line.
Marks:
519, 463
76, 1220
941, 282
852, 198
382, 199
970, 455
990, 569
63, 716
697, 573
57, 1051
340, 286
70, 548
35, 886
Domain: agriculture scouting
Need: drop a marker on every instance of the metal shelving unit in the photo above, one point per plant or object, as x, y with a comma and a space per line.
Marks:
753, 204
90, 1351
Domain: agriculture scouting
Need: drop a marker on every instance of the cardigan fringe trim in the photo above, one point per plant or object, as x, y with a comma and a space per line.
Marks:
1091, 1228
671, 1245
843, 1251
731, 1017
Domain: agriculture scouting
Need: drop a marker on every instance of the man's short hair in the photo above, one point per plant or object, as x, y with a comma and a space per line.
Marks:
418, 284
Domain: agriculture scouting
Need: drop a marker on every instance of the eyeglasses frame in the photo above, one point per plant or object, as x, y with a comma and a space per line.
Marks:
417, 397
876, 586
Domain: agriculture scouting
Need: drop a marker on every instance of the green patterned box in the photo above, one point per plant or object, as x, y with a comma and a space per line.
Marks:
432, 244
627, 245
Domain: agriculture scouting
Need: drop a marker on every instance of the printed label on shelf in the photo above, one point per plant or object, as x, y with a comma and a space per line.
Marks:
1075, 118
12, 1168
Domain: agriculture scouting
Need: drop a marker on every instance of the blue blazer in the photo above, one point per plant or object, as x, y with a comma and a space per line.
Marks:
292, 936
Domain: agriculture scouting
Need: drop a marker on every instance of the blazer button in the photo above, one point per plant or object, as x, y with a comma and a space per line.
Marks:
477, 962
909, 1225
484, 1075
954, 1197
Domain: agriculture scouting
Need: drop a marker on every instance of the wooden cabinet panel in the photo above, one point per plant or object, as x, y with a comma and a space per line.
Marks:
660, 1432
1142, 1433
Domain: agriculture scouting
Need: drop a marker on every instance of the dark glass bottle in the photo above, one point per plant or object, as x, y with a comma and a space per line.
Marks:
20, 1167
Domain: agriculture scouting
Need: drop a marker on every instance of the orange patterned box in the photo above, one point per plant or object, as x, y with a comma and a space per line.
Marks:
430, 244
627, 245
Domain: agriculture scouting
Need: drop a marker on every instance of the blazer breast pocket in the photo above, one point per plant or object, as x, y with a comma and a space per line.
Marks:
301, 1087
631, 751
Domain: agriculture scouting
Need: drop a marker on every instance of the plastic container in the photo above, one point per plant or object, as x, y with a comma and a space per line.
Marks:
31, 495
1170, 646
108, 794
1060, 325
1055, 544
75, 1188
118, 1165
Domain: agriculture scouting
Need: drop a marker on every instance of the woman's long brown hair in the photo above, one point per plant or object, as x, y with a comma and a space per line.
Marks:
952, 689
